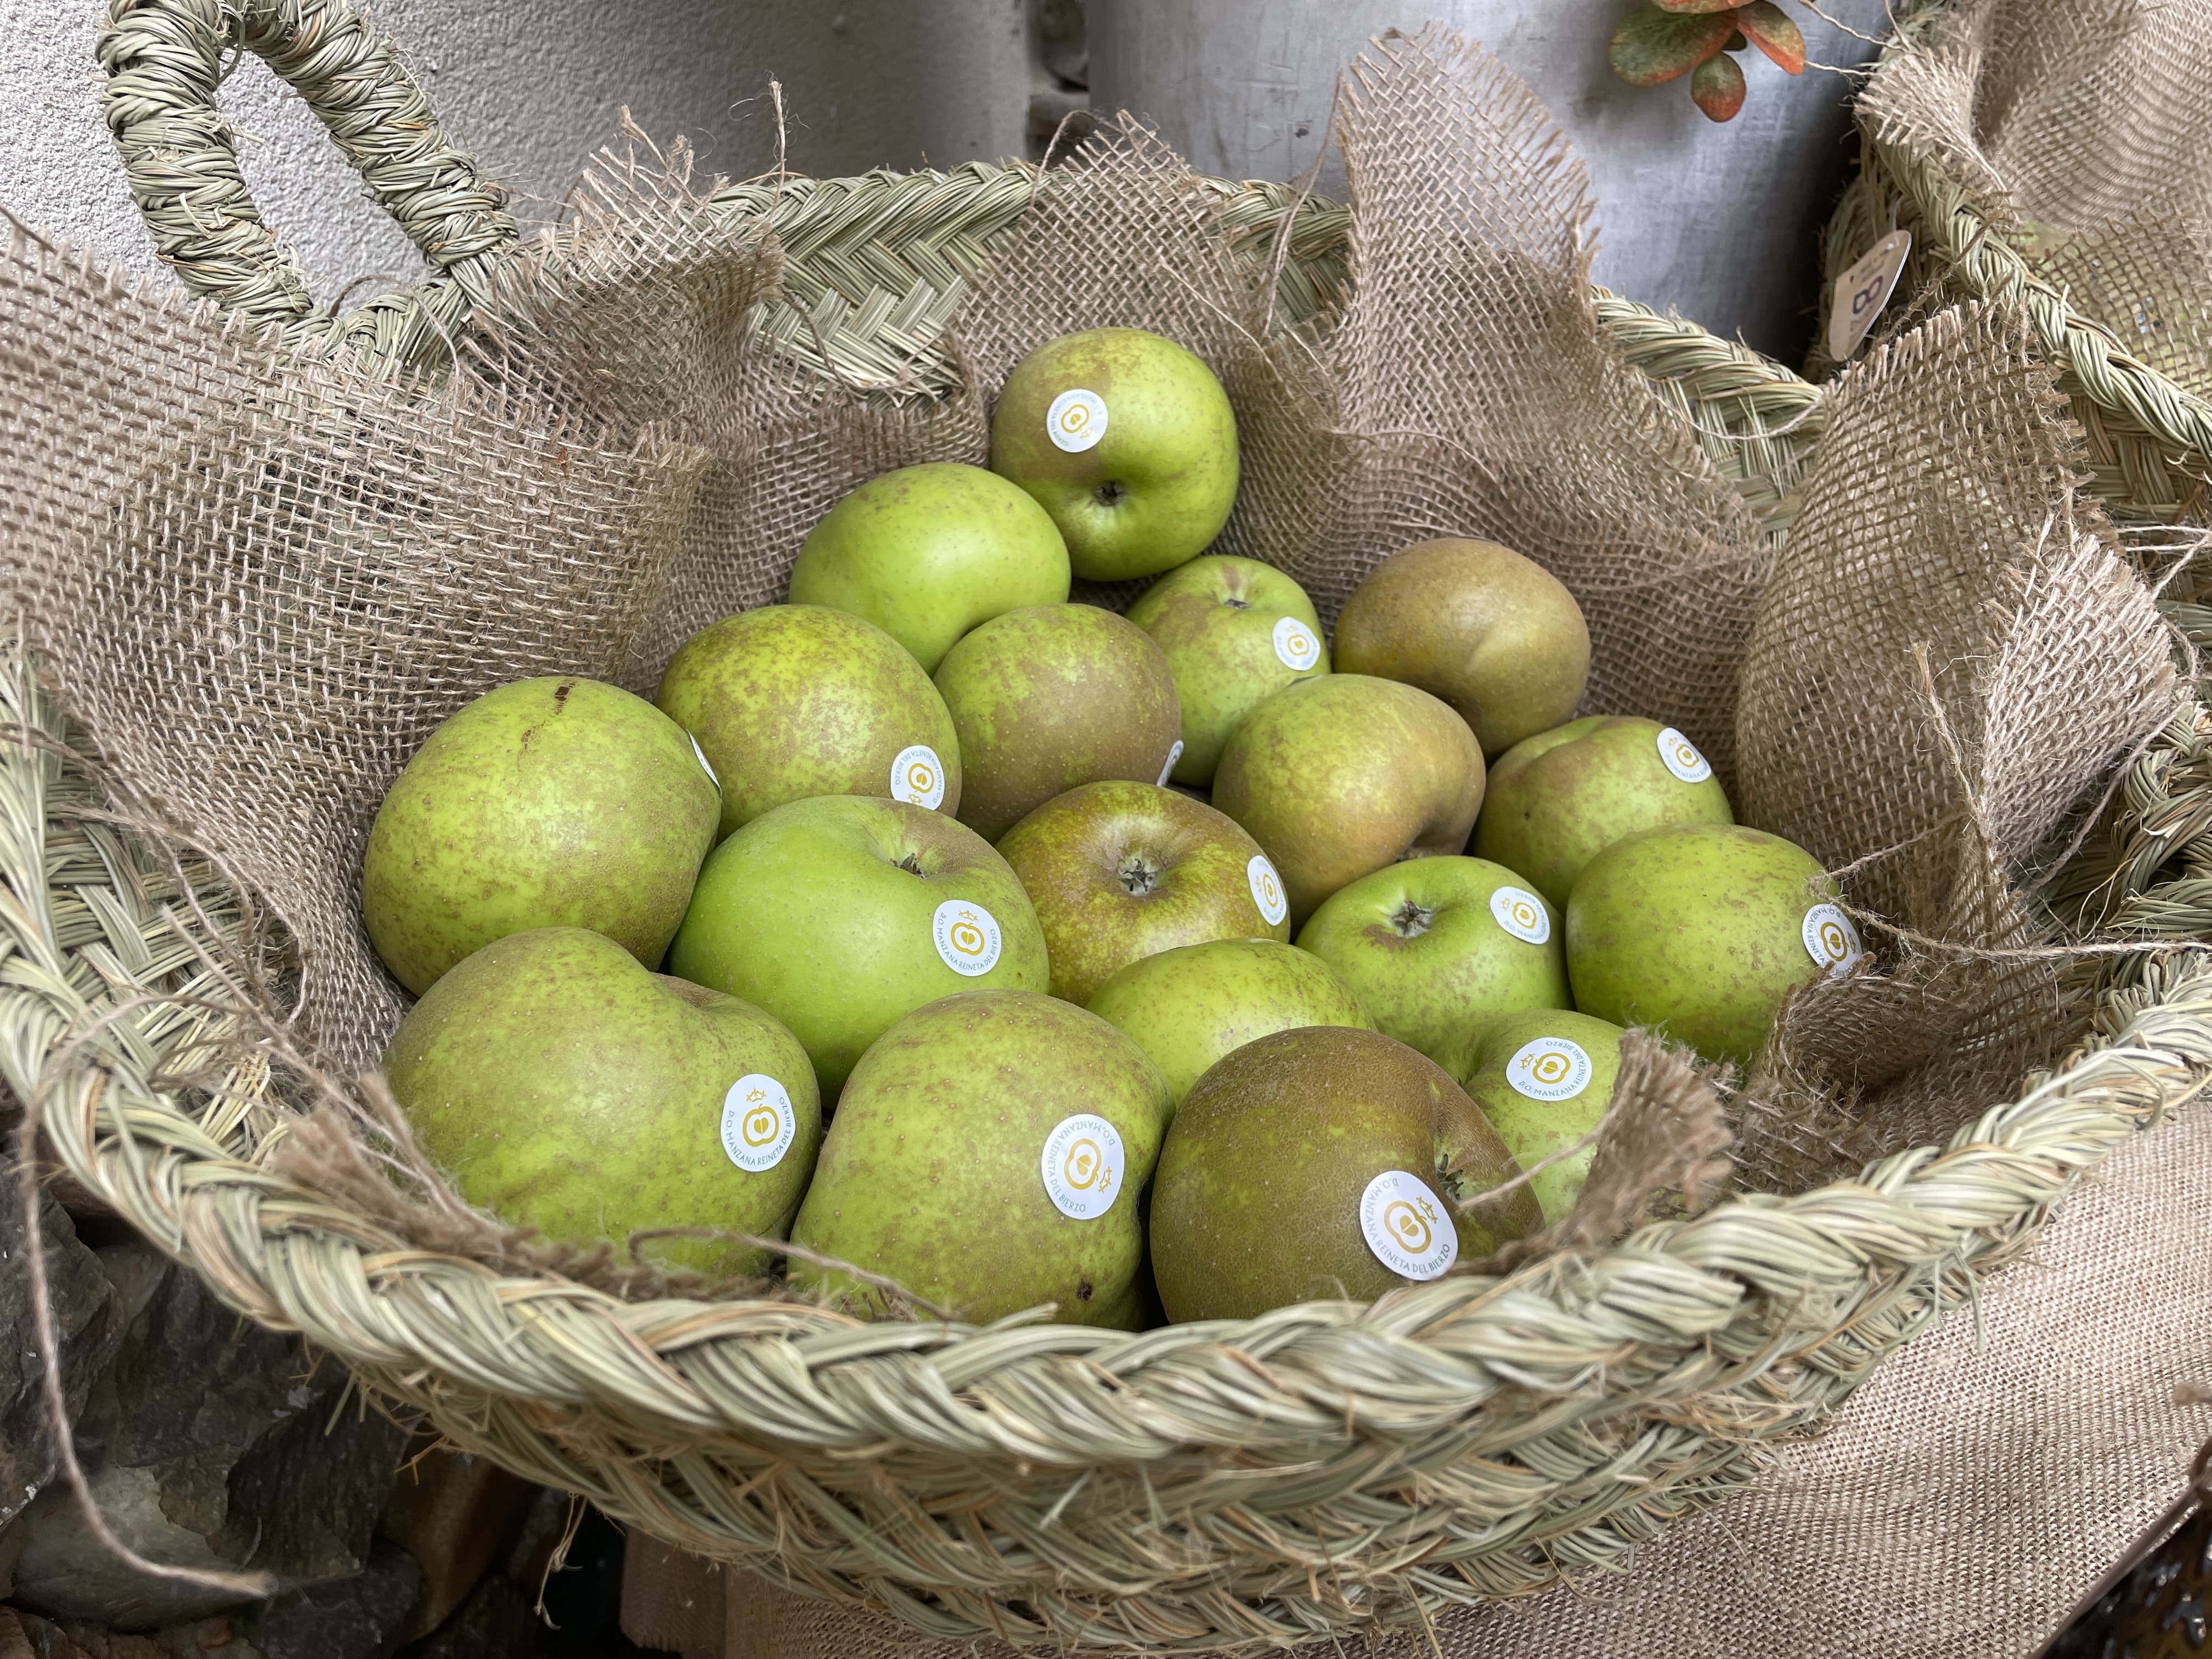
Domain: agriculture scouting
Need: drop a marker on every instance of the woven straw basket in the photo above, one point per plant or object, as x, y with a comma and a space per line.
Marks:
2149, 436
1325, 1467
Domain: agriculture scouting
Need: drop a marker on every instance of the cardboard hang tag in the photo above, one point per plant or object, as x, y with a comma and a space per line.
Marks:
1862, 291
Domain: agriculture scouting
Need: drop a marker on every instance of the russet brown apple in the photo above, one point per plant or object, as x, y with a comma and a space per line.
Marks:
1120, 871
1496, 635
1051, 696
1324, 1162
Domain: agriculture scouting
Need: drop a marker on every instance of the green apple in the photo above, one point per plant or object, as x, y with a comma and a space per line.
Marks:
549, 803
1559, 799
927, 552
1188, 1006
1700, 931
1235, 632
988, 1155
1048, 697
1434, 947
793, 700
1342, 774
566, 1089
1324, 1162
842, 914
1119, 870
1496, 635
1544, 1078
1128, 440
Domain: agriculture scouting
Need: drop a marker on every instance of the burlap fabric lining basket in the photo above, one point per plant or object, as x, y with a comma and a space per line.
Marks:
2059, 156
254, 567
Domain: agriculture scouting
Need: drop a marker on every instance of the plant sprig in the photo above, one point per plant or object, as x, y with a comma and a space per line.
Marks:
1665, 39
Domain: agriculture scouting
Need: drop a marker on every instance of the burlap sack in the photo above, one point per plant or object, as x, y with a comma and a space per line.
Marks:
259, 582
2084, 133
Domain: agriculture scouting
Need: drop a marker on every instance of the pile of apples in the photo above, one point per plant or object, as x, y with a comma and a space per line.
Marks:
927, 854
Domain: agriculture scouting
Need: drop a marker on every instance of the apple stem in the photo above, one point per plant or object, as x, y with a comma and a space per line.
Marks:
1411, 920
1139, 874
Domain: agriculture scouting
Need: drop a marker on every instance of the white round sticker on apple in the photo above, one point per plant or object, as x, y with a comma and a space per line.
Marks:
967, 937
1295, 644
1521, 914
1077, 420
1168, 767
1831, 940
1680, 757
1267, 889
1405, 1224
1550, 1068
1083, 1166
757, 1123
703, 767
918, 776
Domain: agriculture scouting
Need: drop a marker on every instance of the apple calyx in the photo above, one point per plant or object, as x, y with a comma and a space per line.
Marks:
1139, 874
1411, 920
912, 865
1108, 494
1236, 604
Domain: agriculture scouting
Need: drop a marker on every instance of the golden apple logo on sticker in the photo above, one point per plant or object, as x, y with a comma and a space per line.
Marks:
1081, 1163
1682, 757
761, 1125
1831, 940
1521, 914
1550, 1067
1295, 647
918, 776
1076, 421
1085, 1167
1407, 1225
967, 937
757, 1122
1400, 1220
1266, 889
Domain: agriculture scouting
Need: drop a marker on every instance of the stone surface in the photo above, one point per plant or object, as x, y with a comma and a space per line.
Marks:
356, 1618
84, 1314
214, 1444
454, 1513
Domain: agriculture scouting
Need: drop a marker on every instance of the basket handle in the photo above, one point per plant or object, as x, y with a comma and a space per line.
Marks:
163, 59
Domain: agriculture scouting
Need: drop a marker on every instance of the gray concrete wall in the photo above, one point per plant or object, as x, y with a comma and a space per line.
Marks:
534, 86
1719, 221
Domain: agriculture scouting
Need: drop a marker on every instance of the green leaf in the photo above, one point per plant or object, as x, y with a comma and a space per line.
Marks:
1718, 88
1773, 33
1652, 45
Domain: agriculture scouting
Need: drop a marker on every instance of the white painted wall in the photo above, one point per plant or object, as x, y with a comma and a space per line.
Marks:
534, 86
1720, 221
